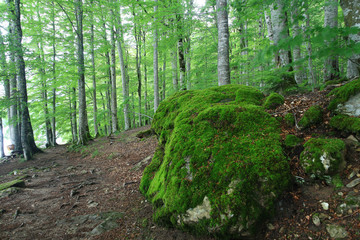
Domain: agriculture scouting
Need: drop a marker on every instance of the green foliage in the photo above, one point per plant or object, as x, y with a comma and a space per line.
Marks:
273, 101
289, 119
292, 141
311, 117
346, 123
323, 156
343, 93
337, 182
215, 143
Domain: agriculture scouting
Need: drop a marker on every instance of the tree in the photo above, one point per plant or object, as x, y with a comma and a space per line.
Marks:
331, 67
351, 9
84, 134
27, 137
223, 43
156, 60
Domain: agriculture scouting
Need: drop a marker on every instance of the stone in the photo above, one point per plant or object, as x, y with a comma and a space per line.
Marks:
325, 206
353, 173
353, 183
352, 138
215, 145
316, 220
351, 107
323, 157
336, 231
270, 227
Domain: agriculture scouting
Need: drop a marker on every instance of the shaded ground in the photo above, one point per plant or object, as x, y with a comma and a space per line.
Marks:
82, 194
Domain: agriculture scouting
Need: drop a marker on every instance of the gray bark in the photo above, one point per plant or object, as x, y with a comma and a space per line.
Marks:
309, 50
331, 65
145, 79
114, 118
296, 30
93, 73
53, 120
84, 134
155, 62
351, 10
2, 153
174, 69
124, 81
223, 42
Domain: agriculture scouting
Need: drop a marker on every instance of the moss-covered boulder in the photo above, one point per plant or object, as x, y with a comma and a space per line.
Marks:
346, 123
219, 166
273, 101
323, 156
311, 117
346, 99
289, 119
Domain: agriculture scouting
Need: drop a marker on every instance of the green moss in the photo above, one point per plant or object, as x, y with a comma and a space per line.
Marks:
211, 141
273, 101
346, 123
14, 183
311, 117
323, 156
289, 119
343, 93
292, 141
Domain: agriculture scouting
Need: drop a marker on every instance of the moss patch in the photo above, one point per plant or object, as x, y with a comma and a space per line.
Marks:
289, 119
14, 183
346, 123
342, 94
273, 101
217, 148
292, 141
323, 156
311, 117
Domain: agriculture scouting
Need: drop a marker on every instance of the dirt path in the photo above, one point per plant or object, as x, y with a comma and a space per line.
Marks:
89, 194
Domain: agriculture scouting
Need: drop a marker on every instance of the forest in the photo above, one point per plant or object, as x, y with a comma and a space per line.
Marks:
74, 70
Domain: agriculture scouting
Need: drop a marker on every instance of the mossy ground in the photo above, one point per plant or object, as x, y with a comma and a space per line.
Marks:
316, 149
342, 94
292, 141
311, 117
346, 123
273, 100
209, 139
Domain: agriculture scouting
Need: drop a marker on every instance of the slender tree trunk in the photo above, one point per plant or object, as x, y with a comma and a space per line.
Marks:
125, 85
114, 118
182, 62
223, 42
84, 134
93, 73
309, 50
73, 120
53, 119
145, 80
2, 153
351, 10
138, 68
156, 63
163, 88
174, 69
299, 75
331, 66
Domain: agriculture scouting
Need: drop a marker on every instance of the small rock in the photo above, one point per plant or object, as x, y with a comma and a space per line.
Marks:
323, 216
92, 204
340, 194
34, 176
352, 138
270, 227
83, 172
336, 231
316, 220
73, 193
353, 173
353, 183
281, 230
325, 206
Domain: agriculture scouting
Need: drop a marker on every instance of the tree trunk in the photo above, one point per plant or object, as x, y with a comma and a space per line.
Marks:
351, 10
163, 89
145, 79
125, 85
27, 137
137, 35
223, 42
156, 63
2, 153
174, 69
309, 50
331, 66
93, 73
299, 74
114, 119
53, 119
73, 120
84, 134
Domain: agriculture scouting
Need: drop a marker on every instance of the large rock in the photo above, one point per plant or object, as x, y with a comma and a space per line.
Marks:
323, 156
219, 166
346, 99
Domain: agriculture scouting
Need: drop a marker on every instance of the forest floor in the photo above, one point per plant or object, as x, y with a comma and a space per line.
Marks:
93, 192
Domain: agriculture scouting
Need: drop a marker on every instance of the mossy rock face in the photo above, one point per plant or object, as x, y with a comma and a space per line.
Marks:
292, 141
311, 117
343, 94
323, 156
219, 166
273, 101
289, 119
346, 123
